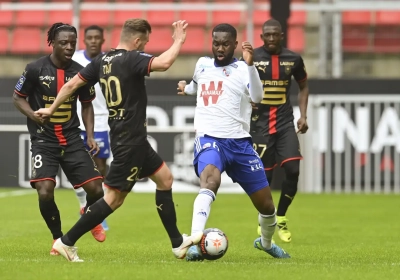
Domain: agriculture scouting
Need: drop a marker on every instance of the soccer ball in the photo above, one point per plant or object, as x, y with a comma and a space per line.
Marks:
214, 244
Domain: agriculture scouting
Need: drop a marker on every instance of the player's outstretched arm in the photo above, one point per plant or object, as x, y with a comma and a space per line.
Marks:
66, 91
255, 86
165, 60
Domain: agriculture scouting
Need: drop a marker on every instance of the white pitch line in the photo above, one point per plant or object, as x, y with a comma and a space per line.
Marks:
16, 193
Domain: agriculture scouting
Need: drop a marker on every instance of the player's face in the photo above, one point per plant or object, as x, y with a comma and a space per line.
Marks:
141, 41
223, 47
64, 46
93, 41
272, 37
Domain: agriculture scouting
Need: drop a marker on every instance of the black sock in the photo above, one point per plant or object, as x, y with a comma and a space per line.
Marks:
166, 211
93, 216
289, 189
51, 215
91, 199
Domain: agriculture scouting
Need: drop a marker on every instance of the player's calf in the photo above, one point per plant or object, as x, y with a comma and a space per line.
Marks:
262, 200
48, 207
165, 205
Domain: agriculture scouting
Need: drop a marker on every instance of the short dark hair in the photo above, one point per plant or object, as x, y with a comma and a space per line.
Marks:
272, 22
94, 27
56, 28
225, 27
133, 26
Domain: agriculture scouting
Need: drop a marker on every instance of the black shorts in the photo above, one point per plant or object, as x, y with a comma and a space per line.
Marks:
277, 148
130, 164
75, 161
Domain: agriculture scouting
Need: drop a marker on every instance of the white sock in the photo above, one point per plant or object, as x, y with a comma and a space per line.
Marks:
268, 225
81, 195
201, 210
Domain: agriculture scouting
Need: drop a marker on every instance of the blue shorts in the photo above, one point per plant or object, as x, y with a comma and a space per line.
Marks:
235, 156
103, 142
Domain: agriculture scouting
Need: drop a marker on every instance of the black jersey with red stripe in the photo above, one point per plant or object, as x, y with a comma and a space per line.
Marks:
121, 74
276, 71
40, 83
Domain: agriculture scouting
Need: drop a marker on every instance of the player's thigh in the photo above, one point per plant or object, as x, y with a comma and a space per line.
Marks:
101, 137
44, 164
287, 146
78, 165
208, 151
126, 167
265, 147
155, 168
247, 170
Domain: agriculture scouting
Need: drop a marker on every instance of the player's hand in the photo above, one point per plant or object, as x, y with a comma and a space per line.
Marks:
302, 125
94, 147
181, 88
247, 53
42, 116
179, 30
254, 106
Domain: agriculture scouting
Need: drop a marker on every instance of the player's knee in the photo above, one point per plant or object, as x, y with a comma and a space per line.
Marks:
210, 178
163, 178
292, 170
45, 190
165, 184
114, 198
268, 207
94, 188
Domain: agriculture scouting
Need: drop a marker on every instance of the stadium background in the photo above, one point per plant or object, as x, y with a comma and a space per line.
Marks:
350, 49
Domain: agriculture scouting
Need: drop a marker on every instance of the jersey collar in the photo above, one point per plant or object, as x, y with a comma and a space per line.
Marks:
234, 60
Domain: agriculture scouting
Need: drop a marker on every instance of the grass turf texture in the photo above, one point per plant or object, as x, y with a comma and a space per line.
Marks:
334, 237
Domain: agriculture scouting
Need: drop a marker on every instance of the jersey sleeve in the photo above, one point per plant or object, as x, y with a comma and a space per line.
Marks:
300, 73
86, 93
90, 73
140, 63
26, 83
200, 67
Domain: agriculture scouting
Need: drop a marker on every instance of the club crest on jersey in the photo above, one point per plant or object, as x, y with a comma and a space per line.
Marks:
227, 71
20, 82
288, 70
213, 92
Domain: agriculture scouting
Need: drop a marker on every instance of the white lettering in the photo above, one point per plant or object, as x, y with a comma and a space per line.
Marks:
387, 131
357, 133
159, 115
181, 114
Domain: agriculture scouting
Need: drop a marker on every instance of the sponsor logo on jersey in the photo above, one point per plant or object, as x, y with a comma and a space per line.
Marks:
214, 91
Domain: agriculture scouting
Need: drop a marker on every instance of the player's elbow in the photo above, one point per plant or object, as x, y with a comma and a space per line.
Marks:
16, 98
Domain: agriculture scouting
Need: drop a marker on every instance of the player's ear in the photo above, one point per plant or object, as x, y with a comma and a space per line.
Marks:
236, 43
136, 42
282, 37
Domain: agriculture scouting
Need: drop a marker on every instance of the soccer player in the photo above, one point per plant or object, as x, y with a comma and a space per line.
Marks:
121, 73
94, 39
56, 141
225, 87
272, 127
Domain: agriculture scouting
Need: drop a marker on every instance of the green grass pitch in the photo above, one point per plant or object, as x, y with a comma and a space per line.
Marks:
334, 237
